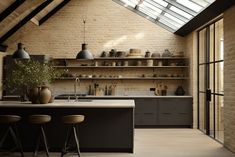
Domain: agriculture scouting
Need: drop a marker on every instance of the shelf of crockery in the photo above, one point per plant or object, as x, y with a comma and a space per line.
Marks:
121, 66
124, 78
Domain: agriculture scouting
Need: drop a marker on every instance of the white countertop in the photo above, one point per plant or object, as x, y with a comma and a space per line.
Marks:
72, 104
137, 96
126, 97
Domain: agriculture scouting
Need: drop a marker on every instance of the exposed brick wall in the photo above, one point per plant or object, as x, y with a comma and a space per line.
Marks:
192, 54
109, 25
229, 81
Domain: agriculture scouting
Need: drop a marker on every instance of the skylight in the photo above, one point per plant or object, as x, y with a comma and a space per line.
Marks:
170, 14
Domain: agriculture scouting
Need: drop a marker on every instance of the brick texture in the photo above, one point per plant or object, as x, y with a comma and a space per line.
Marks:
192, 54
229, 81
109, 25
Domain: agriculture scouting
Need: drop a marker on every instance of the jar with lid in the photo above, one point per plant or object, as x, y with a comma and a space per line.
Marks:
147, 54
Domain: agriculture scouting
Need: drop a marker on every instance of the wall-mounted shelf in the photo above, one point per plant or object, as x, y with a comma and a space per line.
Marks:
73, 66
125, 58
125, 72
120, 66
124, 78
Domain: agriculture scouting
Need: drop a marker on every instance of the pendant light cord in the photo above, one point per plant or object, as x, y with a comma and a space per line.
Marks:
84, 29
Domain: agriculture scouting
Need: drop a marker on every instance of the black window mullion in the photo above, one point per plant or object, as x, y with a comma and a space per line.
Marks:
214, 76
207, 109
198, 95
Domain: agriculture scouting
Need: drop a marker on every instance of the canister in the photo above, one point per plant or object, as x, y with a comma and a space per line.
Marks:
150, 62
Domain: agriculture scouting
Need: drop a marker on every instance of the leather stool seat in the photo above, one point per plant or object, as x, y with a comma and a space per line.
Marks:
73, 119
39, 119
6, 119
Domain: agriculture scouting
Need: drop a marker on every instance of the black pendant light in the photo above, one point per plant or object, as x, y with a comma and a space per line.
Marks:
20, 53
84, 53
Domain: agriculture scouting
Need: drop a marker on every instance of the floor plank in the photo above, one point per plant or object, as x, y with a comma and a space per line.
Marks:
164, 143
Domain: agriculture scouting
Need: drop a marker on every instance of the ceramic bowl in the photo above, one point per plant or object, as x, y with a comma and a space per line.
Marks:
156, 54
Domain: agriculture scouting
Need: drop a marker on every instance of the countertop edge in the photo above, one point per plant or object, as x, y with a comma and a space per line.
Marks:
71, 104
126, 97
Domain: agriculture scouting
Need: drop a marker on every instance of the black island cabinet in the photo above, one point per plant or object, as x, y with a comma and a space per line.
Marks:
108, 124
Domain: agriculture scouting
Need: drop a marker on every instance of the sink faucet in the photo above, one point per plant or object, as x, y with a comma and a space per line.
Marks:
77, 81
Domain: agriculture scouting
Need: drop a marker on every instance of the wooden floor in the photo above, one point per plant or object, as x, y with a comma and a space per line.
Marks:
164, 143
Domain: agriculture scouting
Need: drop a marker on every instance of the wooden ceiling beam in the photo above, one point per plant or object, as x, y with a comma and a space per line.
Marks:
53, 11
10, 9
3, 48
24, 20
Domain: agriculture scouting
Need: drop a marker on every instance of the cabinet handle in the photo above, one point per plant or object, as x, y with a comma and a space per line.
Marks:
183, 113
148, 113
166, 113
208, 94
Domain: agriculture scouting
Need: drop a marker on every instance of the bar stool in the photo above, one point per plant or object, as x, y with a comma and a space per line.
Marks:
72, 121
40, 121
10, 121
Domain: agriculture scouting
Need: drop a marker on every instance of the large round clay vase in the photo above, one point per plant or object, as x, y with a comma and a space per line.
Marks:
34, 95
45, 95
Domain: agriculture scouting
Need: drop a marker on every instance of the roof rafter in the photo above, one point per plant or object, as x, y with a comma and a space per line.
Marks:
167, 10
24, 20
10, 9
53, 11
181, 7
145, 16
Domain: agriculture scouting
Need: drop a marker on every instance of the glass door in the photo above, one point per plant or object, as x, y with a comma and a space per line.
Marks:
210, 80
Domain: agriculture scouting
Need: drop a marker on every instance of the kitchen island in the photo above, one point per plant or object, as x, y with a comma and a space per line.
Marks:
108, 125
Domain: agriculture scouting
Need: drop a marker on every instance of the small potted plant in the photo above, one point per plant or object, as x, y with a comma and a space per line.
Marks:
32, 77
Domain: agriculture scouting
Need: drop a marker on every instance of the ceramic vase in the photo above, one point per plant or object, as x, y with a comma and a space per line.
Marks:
34, 95
45, 95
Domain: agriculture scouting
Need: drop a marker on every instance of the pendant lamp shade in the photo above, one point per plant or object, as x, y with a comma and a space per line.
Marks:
20, 53
84, 53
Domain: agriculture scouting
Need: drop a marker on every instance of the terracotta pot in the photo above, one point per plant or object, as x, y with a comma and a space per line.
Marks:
51, 99
34, 95
45, 95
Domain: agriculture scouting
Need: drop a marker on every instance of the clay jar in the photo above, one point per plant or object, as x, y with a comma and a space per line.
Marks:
180, 91
112, 53
149, 62
45, 95
147, 54
167, 53
34, 95
104, 54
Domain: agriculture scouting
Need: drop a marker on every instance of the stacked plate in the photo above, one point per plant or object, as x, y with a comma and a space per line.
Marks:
135, 53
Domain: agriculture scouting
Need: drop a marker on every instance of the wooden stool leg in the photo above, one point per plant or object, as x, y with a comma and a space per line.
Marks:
16, 138
67, 139
76, 139
37, 144
44, 140
4, 137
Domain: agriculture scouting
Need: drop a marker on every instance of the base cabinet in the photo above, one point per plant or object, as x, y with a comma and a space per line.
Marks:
175, 112
146, 112
163, 112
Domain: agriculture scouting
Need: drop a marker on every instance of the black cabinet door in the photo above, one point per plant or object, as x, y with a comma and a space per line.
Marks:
146, 112
174, 111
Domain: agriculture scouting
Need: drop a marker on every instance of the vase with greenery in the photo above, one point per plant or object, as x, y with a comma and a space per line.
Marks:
30, 75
